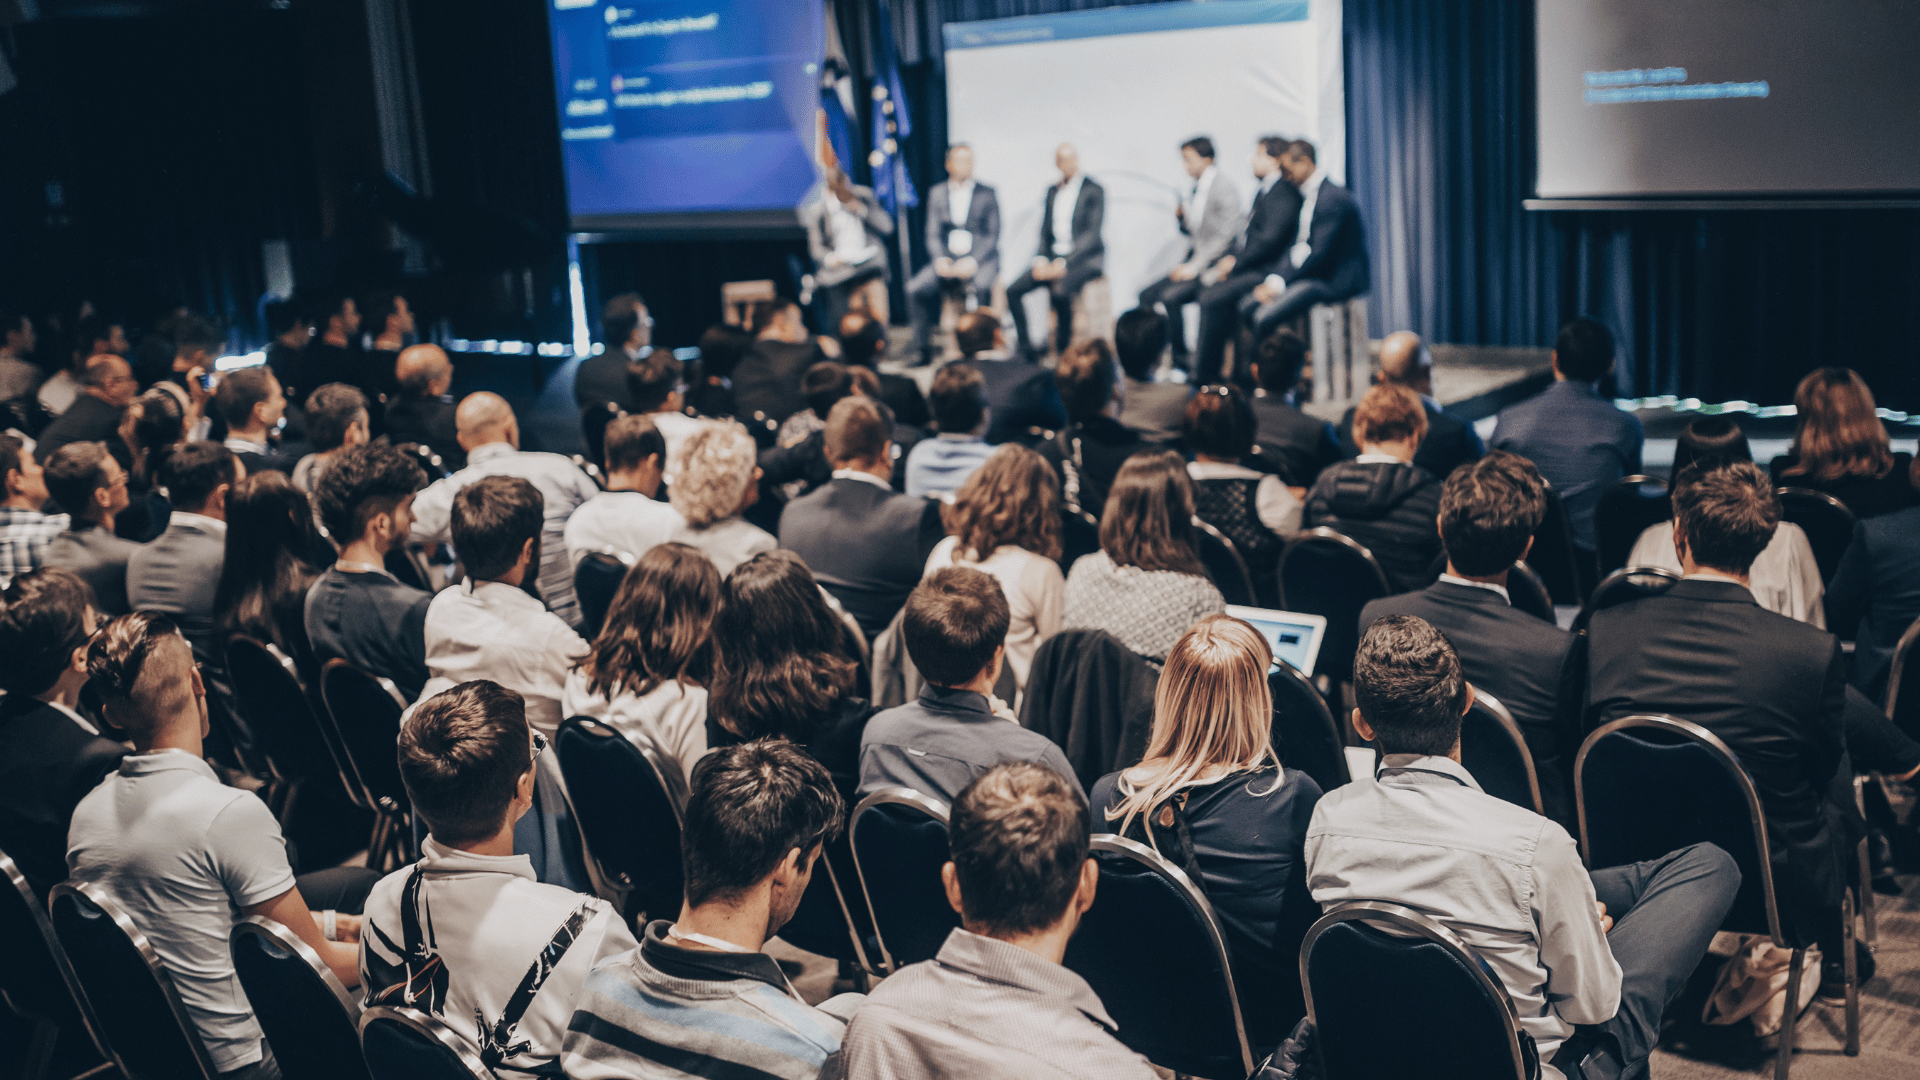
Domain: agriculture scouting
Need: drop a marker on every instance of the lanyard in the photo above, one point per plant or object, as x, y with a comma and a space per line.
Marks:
1384, 771
674, 933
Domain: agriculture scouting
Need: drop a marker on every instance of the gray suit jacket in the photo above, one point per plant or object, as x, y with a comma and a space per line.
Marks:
983, 222
100, 558
1219, 223
813, 215
178, 572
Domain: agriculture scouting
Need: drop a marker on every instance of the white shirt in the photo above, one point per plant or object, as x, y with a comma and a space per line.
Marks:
494, 631
622, 520
216, 526
1036, 595
1785, 579
727, 542
57, 393
674, 427
1275, 505
1471, 584
673, 714
1309, 198
246, 446
865, 477
489, 919
1062, 217
1197, 200
959, 202
848, 230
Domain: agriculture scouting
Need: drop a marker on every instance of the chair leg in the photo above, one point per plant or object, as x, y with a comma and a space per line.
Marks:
1791, 1018
1853, 977
1866, 894
40, 1049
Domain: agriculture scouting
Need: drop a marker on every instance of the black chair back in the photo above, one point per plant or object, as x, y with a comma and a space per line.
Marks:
1324, 572
308, 1017
1451, 1020
1633, 583
301, 747
1826, 521
366, 717
1495, 752
594, 420
830, 920
899, 840
128, 992
1223, 564
35, 981
430, 462
1526, 592
1568, 572
629, 797
407, 1044
1079, 535
1624, 511
1903, 705
596, 578
1305, 734
1153, 951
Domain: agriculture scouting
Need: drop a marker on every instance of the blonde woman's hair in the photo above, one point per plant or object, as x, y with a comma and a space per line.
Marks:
711, 475
1212, 716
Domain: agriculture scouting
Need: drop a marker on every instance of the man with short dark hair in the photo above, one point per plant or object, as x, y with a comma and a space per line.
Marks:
939, 465
336, 422
1155, 410
1021, 394
86, 482
656, 385
251, 402
1070, 254
357, 611
1451, 442
1381, 498
422, 411
333, 356
955, 628
501, 957
866, 543
997, 1001
627, 517
291, 330
1209, 216
1088, 452
627, 333
1580, 441
95, 415
386, 323
196, 345
1489, 510
700, 997
863, 343
178, 573
26, 529
1298, 444
1590, 959
766, 382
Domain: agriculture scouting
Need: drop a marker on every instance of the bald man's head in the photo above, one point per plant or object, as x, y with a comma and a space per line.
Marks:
485, 418
423, 371
1405, 361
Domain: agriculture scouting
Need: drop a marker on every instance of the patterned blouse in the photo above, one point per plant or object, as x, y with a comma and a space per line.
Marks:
1147, 610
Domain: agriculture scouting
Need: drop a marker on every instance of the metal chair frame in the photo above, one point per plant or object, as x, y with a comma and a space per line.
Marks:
1532, 577
1322, 532
1786, 492
1491, 705
1587, 609
611, 885
392, 841
262, 927
1246, 576
1626, 483
46, 1033
1412, 923
427, 1027
887, 796
322, 719
1304, 685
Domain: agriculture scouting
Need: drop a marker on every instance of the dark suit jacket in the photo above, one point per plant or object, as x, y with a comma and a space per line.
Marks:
177, 574
1022, 395
428, 421
1392, 508
983, 222
256, 463
88, 419
47, 765
603, 378
1339, 243
1875, 594
1089, 214
1271, 227
1773, 689
768, 378
1105, 445
100, 558
1300, 445
867, 545
1450, 443
1516, 657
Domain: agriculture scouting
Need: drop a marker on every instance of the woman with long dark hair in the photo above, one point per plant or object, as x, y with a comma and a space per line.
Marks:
265, 575
1841, 447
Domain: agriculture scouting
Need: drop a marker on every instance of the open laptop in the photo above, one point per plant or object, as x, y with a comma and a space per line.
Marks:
1295, 637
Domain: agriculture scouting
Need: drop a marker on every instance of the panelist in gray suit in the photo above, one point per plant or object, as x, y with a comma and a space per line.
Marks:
1209, 214
963, 242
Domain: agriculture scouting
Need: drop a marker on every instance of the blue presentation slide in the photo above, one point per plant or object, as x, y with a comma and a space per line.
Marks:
685, 106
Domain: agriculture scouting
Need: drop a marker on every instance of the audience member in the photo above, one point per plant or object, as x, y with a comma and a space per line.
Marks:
1450, 442
997, 1000
467, 935
1257, 511
1875, 595
291, 329
863, 343
866, 543
357, 611
1155, 410
1005, 520
1088, 452
1020, 394
336, 423
50, 755
1489, 509
177, 574
721, 349
1577, 439
942, 464
1591, 959
422, 411
94, 334
955, 627
823, 386
710, 485
95, 415
252, 404
627, 517
196, 343
1381, 499
491, 436
700, 996
848, 234
266, 571
656, 387
1213, 797
386, 322
648, 671
91, 487
627, 331
18, 373
1298, 445
184, 855
1840, 447
766, 383
1145, 585
26, 529
333, 356
154, 426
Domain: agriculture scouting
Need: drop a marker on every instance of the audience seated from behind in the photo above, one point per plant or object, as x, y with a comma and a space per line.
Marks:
1591, 959
626, 517
1875, 595
91, 487
336, 422
1580, 441
1021, 395
1257, 511
491, 435
153, 427
50, 755
997, 1001
1785, 578
266, 571
467, 935
648, 671
1005, 520
654, 385
18, 373
251, 402
1381, 499
186, 856
863, 343
95, 415
1155, 410
823, 385
1489, 509
357, 611
179, 571
1213, 797
710, 392
25, 528
710, 484
766, 382
1450, 442
866, 543
781, 668
1840, 446
422, 412
940, 465
1089, 451
1145, 585
627, 331
955, 628
1298, 445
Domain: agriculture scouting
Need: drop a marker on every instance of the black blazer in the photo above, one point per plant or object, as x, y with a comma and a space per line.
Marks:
1875, 594
1339, 242
47, 765
1299, 445
429, 421
1022, 395
603, 378
1516, 657
1089, 213
1773, 689
768, 378
865, 544
1105, 445
983, 223
1272, 225
1450, 443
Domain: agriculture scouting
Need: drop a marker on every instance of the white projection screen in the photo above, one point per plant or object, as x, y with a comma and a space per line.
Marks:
1127, 86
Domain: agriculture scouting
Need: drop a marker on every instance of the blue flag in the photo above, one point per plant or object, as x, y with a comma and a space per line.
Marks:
891, 185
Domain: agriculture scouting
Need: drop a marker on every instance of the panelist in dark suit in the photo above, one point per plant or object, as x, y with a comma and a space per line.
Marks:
1272, 222
1071, 252
847, 235
1488, 512
963, 242
1209, 215
866, 544
1451, 442
1328, 260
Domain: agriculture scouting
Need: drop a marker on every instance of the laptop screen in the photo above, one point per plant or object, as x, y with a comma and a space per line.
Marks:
1294, 637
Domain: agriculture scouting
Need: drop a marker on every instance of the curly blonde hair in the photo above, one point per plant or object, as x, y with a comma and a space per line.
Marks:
713, 473
1011, 500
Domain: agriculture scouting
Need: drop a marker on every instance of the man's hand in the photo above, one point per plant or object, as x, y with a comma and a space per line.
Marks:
1039, 268
1264, 292
943, 266
197, 394
1000, 708
1225, 265
1606, 921
828, 346
965, 267
1183, 272
833, 259
346, 927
